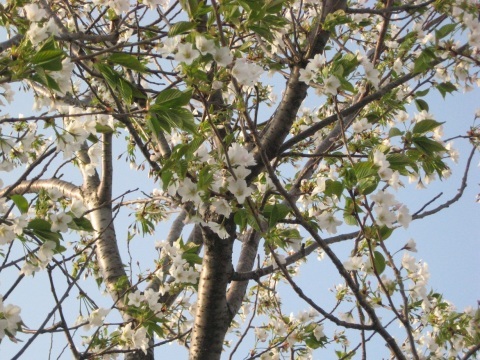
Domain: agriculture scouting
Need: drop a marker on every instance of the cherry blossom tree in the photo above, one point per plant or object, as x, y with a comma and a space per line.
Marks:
236, 185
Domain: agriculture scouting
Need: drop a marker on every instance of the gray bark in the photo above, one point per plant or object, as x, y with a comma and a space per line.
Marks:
213, 314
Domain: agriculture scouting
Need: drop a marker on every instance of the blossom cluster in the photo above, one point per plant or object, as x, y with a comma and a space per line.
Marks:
40, 29
238, 159
179, 268
246, 72
384, 170
388, 210
10, 319
471, 22
289, 332
123, 6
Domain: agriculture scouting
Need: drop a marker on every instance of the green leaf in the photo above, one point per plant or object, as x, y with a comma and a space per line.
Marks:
424, 126
172, 98
42, 229
166, 177
181, 27
349, 219
49, 59
192, 258
349, 63
190, 6
181, 167
157, 126
421, 105
275, 213
385, 232
424, 61
395, 132
333, 187
110, 75
82, 224
50, 44
240, 218
128, 61
422, 93
253, 222
20, 202
444, 31
367, 186
379, 262
205, 178
125, 89
262, 30
427, 146
153, 327
446, 88
178, 118
46, 56
345, 85
42, 78
313, 343
104, 129
275, 6
364, 169
398, 161
39, 224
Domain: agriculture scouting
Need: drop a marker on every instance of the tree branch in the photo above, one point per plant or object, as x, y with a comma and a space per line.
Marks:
34, 186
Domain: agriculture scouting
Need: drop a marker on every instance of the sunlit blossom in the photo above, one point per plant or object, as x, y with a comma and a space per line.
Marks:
240, 190
186, 53
60, 221
246, 73
331, 85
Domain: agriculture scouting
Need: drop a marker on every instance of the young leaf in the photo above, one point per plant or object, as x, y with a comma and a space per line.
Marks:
49, 59
42, 229
364, 169
20, 202
395, 132
446, 88
424, 61
128, 61
421, 105
181, 27
333, 187
425, 126
379, 262
275, 213
427, 146
82, 224
444, 31
171, 98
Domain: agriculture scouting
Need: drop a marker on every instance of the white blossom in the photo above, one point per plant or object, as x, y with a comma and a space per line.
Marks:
328, 222
222, 56
239, 155
7, 234
403, 216
60, 221
186, 53
246, 73
96, 318
34, 12
204, 45
353, 263
240, 190
331, 85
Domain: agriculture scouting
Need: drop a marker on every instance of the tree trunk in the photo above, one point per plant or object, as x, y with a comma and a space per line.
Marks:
212, 318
